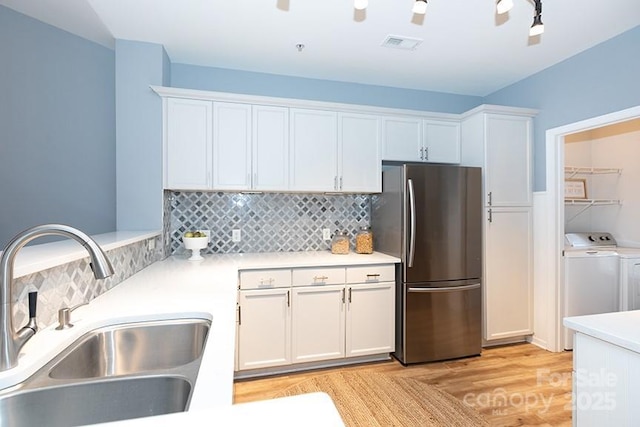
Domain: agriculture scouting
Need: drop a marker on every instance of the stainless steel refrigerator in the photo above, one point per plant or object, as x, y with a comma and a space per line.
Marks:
430, 216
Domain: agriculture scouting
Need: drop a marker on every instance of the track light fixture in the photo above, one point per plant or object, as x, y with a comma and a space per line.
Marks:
360, 4
537, 27
420, 7
504, 6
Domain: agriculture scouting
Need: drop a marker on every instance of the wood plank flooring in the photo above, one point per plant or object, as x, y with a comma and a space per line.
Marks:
514, 385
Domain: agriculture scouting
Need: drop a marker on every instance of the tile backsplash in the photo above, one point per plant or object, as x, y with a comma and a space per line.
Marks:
268, 222
73, 283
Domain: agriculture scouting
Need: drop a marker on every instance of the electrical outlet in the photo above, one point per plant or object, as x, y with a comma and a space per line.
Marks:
326, 234
235, 235
151, 244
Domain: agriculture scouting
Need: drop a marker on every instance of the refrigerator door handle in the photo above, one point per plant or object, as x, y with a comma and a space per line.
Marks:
412, 233
447, 289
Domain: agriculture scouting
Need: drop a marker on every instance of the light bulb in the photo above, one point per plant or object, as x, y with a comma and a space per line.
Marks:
360, 4
420, 7
504, 6
537, 27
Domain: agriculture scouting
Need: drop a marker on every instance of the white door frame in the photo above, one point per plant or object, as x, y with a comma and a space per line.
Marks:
553, 236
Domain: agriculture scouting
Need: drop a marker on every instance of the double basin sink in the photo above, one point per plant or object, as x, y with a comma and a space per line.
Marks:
113, 373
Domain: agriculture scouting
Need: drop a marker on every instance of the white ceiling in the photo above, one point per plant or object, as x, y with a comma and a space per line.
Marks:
467, 48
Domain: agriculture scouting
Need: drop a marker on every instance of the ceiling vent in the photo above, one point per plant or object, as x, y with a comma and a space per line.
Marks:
401, 42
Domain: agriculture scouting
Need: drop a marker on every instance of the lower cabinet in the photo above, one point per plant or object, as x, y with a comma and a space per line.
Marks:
264, 328
317, 322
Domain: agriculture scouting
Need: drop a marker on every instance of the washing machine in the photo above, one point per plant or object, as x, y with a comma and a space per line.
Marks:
591, 282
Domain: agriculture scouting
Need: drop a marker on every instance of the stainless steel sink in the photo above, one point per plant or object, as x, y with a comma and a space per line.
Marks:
125, 350
113, 373
95, 402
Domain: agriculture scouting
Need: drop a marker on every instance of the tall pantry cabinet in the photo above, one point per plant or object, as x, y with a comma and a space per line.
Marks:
499, 139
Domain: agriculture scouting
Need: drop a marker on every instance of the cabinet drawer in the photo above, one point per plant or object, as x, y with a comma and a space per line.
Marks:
260, 279
371, 273
318, 276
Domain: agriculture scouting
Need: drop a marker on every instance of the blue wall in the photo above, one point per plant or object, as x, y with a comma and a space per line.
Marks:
57, 129
601, 80
139, 134
250, 83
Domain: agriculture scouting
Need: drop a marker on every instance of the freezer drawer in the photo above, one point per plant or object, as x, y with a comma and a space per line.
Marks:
442, 323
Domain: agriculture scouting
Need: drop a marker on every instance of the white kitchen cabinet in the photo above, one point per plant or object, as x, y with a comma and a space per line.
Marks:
370, 321
508, 276
318, 323
231, 146
606, 383
264, 328
501, 143
270, 148
414, 139
250, 147
402, 138
359, 153
315, 314
313, 146
499, 139
441, 141
188, 144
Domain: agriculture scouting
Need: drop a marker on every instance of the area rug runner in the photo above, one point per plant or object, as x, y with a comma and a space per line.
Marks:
372, 399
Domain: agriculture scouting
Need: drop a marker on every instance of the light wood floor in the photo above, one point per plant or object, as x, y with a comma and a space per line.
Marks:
514, 385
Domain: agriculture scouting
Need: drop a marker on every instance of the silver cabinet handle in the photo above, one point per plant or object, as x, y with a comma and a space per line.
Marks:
343, 295
340, 184
373, 276
421, 153
319, 278
349, 295
426, 153
412, 234
490, 197
268, 281
490, 217
239, 315
288, 298
335, 182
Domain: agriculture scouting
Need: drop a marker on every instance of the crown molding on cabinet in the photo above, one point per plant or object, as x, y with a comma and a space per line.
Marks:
499, 109
171, 92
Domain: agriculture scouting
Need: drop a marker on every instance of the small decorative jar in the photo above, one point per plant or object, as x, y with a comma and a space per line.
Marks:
364, 241
340, 243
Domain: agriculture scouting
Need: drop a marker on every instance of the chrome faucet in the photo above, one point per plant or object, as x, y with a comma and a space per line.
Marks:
11, 341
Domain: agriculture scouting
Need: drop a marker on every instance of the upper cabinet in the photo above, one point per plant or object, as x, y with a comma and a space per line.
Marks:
231, 146
415, 139
335, 152
314, 150
270, 148
500, 140
359, 153
188, 151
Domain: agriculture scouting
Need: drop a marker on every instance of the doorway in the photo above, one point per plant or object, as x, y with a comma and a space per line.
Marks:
549, 221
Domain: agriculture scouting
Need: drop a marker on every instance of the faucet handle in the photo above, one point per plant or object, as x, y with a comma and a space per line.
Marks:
33, 300
64, 316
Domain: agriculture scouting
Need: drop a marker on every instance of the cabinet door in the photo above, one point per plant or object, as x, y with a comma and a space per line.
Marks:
508, 273
359, 153
270, 148
441, 141
231, 146
318, 323
402, 139
264, 328
188, 142
508, 179
313, 160
370, 327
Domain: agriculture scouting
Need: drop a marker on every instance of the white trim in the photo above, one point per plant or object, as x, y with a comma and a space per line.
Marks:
173, 92
500, 109
553, 236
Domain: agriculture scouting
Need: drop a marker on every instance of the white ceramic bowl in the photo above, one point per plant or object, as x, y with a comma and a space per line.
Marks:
195, 244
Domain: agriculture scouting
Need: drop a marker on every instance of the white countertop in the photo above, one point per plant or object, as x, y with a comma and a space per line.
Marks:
178, 288
621, 328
